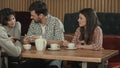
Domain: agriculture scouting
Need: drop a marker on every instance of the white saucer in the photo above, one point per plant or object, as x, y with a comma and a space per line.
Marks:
53, 49
72, 48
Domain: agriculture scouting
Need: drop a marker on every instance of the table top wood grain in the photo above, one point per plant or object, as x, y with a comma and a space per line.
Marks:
71, 55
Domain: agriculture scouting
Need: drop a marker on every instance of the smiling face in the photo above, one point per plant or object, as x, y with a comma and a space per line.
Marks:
82, 20
35, 17
11, 22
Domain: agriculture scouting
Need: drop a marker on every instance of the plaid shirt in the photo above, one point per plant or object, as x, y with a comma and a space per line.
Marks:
54, 29
96, 41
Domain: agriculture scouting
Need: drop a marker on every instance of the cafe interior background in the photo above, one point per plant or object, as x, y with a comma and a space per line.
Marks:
59, 7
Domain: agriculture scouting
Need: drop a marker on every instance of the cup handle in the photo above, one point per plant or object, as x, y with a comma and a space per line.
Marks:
58, 46
45, 44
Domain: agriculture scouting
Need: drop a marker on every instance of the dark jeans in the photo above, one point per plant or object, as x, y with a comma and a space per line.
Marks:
38, 63
33, 63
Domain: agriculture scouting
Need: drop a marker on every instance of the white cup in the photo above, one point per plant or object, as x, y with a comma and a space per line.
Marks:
71, 45
27, 46
54, 46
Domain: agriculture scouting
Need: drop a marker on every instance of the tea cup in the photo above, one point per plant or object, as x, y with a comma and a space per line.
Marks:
71, 45
54, 46
27, 46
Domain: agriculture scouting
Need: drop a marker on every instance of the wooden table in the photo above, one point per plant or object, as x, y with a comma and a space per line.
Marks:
72, 55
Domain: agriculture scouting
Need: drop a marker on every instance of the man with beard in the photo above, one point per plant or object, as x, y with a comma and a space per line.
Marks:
45, 25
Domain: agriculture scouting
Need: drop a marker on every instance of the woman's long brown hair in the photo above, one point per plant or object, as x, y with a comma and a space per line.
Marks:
91, 23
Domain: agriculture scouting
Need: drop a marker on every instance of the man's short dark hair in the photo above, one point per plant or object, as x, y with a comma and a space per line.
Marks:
39, 7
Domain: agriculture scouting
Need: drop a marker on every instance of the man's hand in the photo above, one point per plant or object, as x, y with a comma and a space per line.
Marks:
26, 39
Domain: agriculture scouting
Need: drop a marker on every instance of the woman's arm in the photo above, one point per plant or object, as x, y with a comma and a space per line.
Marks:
8, 45
96, 41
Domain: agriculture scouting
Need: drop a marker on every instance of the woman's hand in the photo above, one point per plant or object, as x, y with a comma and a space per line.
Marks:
12, 39
65, 43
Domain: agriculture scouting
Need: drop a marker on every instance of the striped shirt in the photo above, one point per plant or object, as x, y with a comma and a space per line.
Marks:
97, 39
54, 29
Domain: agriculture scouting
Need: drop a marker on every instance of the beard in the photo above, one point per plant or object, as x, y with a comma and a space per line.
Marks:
37, 21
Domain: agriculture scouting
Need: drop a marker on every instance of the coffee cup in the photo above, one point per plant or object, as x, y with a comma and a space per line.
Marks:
71, 45
27, 46
54, 46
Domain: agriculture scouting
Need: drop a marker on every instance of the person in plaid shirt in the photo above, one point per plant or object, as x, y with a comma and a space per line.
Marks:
89, 34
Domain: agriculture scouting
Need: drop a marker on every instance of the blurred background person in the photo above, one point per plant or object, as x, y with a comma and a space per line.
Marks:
89, 34
7, 44
13, 27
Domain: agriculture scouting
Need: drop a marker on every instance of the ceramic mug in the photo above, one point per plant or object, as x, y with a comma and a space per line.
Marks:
27, 46
54, 46
71, 45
